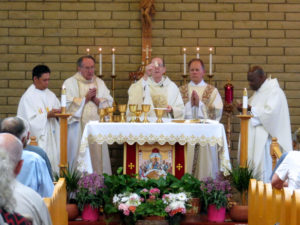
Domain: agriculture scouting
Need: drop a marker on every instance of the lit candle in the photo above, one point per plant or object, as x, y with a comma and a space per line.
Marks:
228, 93
63, 99
245, 101
88, 51
100, 61
198, 55
184, 61
210, 61
113, 62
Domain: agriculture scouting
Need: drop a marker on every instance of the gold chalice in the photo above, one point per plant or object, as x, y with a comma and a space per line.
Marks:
102, 113
132, 109
110, 111
159, 114
122, 108
145, 109
138, 113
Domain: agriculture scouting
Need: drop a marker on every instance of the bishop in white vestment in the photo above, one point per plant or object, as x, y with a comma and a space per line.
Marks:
271, 118
38, 106
158, 91
84, 93
201, 100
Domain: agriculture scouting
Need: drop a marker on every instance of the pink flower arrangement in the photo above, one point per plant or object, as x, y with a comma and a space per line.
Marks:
127, 202
176, 203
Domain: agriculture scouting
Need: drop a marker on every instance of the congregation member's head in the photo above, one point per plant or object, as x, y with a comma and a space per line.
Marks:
296, 139
17, 127
6, 182
158, 69
256, 77
86, 66
41, 76
196, 70
14, 148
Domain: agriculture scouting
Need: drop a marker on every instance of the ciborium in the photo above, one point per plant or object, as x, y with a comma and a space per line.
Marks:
138, 113
132, 109
110, 111
145, 110
159, 114
102, 114
122, 108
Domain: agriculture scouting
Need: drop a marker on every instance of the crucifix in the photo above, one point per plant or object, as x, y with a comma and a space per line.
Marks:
147, 11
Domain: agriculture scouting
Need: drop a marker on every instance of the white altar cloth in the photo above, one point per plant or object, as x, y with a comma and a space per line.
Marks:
212, 135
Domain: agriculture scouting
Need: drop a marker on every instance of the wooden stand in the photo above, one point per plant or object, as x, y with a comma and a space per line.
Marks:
244, 139
63, 140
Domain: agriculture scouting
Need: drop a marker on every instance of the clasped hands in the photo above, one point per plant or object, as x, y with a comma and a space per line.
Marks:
91, 96
195, 99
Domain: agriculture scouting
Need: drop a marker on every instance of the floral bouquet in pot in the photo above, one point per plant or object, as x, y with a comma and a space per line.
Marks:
215, 194
127, 204
176, 206
89, 195
152, 205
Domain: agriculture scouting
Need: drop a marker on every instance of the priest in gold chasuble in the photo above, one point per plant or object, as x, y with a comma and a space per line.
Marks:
157, 90
201, 100
84, 93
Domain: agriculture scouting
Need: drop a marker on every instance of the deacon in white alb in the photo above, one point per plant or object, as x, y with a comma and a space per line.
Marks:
38, 106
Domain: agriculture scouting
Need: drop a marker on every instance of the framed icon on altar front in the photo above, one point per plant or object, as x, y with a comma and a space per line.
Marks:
155, 161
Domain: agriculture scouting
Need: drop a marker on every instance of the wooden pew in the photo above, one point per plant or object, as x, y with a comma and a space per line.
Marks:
57, 203
267, 206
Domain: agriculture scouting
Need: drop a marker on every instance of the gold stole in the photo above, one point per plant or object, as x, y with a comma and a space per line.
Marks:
90, 111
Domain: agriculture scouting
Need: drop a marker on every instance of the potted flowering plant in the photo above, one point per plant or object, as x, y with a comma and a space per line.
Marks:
89, 195
176, 206
127, 203
152, 205
216, 193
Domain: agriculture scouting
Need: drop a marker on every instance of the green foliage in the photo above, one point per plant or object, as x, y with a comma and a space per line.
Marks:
84, 196
191, 185
72, 176
151, 208
240, 177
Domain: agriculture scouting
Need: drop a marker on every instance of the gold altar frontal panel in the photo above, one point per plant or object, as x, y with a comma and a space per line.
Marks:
155, 160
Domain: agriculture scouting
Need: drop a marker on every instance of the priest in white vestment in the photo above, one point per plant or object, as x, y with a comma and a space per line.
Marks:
157, 90
85, 92
271, 118
38, 106
201, 100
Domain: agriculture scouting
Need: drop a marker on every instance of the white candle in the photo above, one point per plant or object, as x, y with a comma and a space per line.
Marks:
210, 61
184, 61
100, 61
113, 61
88, 51
245, 99
198, 55
63, 97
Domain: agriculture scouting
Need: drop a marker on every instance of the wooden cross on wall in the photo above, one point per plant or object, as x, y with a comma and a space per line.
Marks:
147, 11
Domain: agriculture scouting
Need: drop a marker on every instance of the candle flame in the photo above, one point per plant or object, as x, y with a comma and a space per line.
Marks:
245, 92
100, 49
113, 49
88, 50
210, 49
184, 49
198, 48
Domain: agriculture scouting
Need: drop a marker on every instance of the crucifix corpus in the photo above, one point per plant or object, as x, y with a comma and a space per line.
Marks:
147, 11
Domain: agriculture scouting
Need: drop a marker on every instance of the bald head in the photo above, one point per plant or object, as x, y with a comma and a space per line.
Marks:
13, 146
17, 127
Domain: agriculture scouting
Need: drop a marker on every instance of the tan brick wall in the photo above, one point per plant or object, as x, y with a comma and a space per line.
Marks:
242, 32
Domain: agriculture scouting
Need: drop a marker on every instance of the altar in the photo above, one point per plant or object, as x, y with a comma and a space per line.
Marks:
136, 136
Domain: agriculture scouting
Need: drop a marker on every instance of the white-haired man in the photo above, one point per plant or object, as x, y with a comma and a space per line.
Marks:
34, 173
29, 203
